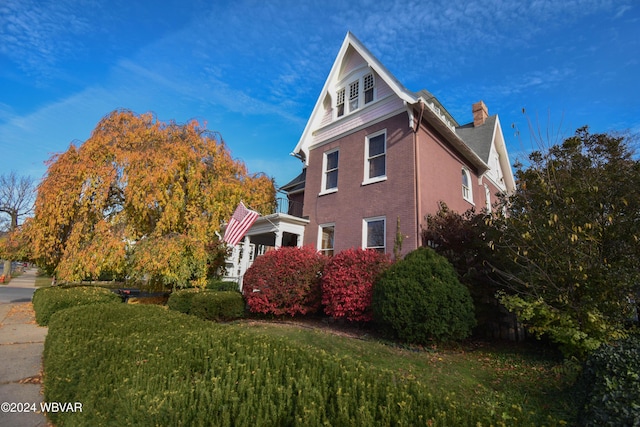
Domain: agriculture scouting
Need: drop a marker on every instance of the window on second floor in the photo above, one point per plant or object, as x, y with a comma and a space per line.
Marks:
466, 185
375, 168
330, 171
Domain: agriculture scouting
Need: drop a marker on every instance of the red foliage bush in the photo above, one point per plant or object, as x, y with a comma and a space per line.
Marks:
285, 281
347, 283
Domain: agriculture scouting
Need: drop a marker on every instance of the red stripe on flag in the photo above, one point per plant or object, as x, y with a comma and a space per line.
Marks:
239, 224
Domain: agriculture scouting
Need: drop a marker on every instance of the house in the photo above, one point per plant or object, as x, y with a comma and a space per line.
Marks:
375, 155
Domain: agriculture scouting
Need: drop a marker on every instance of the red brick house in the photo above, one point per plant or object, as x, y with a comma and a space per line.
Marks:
375, 153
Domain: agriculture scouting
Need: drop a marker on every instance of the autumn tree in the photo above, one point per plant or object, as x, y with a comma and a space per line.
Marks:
141, 198
16, 202
568, 250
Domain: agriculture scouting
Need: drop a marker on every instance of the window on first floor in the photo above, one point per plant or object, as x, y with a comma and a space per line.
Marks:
326, 239
375, 168
374, 234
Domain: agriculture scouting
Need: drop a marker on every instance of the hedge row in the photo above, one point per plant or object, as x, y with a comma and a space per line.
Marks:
49, 300
208, 305
145, 366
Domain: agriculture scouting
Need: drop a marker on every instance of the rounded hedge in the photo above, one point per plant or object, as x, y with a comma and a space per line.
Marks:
48, 300
420, 299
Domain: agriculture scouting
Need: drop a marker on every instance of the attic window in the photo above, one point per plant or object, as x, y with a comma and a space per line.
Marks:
353, 95
368, 88
340, 102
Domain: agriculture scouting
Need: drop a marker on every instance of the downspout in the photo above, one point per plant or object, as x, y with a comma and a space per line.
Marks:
416, 156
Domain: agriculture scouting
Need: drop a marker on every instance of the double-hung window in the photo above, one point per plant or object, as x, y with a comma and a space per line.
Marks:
340, 102
368, 88
330, 171
354, 95
375, 168
466, 186
326, 239
373, 233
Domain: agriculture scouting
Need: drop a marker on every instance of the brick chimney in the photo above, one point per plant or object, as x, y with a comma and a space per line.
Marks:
480, 113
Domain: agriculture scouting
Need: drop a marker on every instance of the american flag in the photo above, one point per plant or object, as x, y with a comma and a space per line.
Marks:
239, 223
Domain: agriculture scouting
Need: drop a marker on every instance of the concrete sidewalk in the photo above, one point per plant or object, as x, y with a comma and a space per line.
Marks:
21, 346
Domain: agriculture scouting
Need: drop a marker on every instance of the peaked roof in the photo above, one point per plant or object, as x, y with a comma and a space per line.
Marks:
350, 41
479, 138
473, 143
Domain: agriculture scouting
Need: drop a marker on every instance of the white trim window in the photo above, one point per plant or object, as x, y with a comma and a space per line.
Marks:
354, 95
361, 92
487, 196
340, 102
375, 157
374, 233
330, 171
326, 238
368, 86
467, 193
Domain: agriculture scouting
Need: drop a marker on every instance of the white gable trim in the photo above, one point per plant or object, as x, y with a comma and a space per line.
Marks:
302, 148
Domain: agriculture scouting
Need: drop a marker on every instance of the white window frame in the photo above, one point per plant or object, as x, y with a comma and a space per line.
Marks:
321, 227
356, 88
367, 159
365, 233
487, 196
340, 108
467, 190
325, 172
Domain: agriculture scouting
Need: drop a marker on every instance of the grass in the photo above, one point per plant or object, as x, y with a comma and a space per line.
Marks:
492, 375
164, 368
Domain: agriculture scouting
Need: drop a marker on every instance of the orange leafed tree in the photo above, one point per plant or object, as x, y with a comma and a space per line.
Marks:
141, 198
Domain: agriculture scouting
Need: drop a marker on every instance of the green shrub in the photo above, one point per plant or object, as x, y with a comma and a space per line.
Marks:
145, 366
48, 300
420, 299
181, 300
208, 305
214, 305
222, 285
609, 386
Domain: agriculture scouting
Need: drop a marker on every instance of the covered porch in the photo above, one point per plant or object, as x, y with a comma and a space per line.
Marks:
267, 233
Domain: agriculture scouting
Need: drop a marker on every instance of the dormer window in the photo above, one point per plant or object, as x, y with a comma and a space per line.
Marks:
340, 102
368, 88
353, 95
361, 92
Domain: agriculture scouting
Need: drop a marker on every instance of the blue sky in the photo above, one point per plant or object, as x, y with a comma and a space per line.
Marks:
252, 70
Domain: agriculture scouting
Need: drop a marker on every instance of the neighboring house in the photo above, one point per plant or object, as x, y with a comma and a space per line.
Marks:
375, 153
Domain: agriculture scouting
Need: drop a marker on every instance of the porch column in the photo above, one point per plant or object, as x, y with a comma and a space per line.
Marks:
278, 238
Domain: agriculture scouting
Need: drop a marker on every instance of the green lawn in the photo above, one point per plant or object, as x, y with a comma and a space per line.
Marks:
494, 375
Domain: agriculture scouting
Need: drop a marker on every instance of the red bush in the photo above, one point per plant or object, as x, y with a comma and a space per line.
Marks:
285, 281
347, 283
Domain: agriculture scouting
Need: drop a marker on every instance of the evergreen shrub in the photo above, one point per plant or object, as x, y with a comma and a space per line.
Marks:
181, 300
208, 305
217, 305
146, 366
419, 299
347, 283
609, 385
48, 300
286, 281
222, 285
